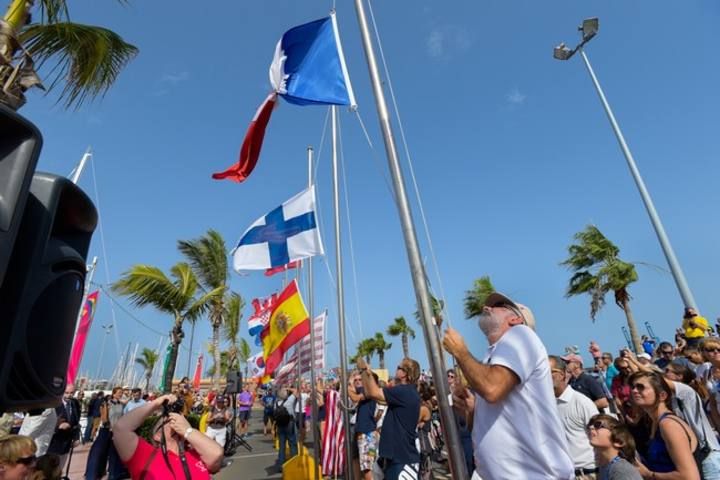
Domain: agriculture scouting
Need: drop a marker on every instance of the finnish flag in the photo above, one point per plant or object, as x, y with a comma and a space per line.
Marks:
286, 234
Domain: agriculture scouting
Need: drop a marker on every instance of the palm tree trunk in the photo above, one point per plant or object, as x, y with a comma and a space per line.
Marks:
177, 336
632, 327
381, 355
405, 346
147, 381
216, 354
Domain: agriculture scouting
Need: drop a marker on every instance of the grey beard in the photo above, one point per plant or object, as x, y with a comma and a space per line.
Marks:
489, 325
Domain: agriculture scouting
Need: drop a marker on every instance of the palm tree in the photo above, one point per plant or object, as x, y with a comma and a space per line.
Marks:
244, 354
224, 362
437, 308
231, 328
86, 59
148, 359
208, 257
380, 346
148, 285
476, 296
597, 271
366, 348
402, 329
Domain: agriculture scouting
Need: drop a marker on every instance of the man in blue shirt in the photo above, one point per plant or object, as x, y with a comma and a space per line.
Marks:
135, 402
398, 454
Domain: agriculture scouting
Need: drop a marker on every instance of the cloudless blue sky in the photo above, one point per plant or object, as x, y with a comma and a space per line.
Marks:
512, 151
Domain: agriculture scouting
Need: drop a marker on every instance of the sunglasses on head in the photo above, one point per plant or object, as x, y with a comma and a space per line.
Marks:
400, 367
597, 425
27, 460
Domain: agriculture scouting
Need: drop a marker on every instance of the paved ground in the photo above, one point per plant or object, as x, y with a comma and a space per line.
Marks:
256, 465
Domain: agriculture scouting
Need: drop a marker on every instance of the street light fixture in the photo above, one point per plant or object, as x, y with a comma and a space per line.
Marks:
589, 29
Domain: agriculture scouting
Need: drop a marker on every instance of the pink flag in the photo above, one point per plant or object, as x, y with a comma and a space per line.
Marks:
250, 150
198, 374
81, 336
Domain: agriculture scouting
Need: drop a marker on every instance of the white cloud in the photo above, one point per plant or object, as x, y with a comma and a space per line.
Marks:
174, 78
435, 44
447, 40
515, 97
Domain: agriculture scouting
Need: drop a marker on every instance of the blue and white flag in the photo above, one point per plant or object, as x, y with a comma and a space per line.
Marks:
309, 65
288, 233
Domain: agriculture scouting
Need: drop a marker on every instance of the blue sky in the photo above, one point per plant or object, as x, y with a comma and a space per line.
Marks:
511, 148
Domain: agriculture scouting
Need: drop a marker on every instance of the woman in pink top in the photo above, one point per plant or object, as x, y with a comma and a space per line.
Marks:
145, 461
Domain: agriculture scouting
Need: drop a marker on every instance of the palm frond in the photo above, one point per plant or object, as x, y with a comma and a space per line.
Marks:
208, 257
53, 11
475, 297
231, 328
88, 59
202, 304
244, 351
147, 285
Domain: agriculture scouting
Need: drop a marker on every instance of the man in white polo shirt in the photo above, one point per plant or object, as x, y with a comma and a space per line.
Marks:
516, 428
575, 410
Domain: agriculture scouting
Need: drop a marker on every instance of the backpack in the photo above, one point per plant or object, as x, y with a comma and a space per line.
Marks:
281, 416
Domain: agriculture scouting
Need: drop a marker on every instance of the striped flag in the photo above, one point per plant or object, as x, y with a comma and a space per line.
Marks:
287, 373
304, 349
333, 436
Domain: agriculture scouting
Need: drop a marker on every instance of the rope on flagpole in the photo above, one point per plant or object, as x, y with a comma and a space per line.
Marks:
105, 256
350, 234
410, 165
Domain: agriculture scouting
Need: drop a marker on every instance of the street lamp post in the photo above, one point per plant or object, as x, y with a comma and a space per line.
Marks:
589, 29
107, 329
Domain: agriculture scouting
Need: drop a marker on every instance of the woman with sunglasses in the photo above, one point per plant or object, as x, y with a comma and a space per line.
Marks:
614, 448
672, 441
17, 457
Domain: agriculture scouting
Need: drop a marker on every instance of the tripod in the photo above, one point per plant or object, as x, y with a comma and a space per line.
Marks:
233, 439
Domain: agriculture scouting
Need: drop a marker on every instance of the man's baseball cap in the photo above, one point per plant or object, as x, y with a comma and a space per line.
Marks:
573, 357
496, 299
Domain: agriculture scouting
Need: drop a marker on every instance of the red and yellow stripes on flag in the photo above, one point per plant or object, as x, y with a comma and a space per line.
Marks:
88, 312
289, 323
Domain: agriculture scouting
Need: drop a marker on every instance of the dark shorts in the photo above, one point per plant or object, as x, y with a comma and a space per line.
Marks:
267, 416
244, 415
397, 471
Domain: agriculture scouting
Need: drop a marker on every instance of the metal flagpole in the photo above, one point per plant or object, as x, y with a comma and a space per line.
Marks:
677, 273
107, 329
340, 295
313, 393
432, 341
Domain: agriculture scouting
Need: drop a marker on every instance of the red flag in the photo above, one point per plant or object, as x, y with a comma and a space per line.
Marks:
252, 144
272, 271
198, 373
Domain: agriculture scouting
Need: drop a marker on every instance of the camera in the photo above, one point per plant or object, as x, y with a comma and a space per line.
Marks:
175, 407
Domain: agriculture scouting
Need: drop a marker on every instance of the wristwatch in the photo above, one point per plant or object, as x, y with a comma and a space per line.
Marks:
188, 432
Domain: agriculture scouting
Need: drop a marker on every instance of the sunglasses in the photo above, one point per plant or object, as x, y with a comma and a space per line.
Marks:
512, 308
597, 425
712, 350
667, 352
640, 387
27, 460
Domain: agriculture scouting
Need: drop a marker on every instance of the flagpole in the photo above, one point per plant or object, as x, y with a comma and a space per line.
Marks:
340, 294
432, 340
81, 166
313, 392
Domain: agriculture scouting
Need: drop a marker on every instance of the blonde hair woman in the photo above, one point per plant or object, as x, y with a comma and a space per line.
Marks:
17, 457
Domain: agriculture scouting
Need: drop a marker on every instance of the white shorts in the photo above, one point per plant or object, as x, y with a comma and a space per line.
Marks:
217, 434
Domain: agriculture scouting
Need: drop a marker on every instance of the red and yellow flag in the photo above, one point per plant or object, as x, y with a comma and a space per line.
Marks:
289, 323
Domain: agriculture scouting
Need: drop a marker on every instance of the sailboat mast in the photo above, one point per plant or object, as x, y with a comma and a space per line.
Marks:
313, 392
432, 340
81, 166
340, 292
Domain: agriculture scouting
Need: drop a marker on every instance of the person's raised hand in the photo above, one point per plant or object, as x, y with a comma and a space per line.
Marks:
454, 343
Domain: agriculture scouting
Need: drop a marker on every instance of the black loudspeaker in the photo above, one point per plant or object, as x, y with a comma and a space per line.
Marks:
234, 382
20, 144
42, 292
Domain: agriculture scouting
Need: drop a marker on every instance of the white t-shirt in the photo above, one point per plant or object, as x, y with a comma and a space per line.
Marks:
521, 436
576, 410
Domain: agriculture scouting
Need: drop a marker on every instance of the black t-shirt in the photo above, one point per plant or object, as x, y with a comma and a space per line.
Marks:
365, 420
588, 386
397, 442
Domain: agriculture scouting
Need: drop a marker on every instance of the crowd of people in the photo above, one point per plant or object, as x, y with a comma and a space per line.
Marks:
521, 413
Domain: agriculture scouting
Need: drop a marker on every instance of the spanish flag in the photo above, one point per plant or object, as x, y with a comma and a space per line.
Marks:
289, 323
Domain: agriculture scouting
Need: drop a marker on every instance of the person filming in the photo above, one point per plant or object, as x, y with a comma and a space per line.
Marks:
177, 450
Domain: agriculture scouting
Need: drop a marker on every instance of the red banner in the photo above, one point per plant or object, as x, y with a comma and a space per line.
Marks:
198, 374
86, 319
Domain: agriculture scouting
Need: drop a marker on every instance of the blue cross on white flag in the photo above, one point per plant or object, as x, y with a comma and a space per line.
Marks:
288, 233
